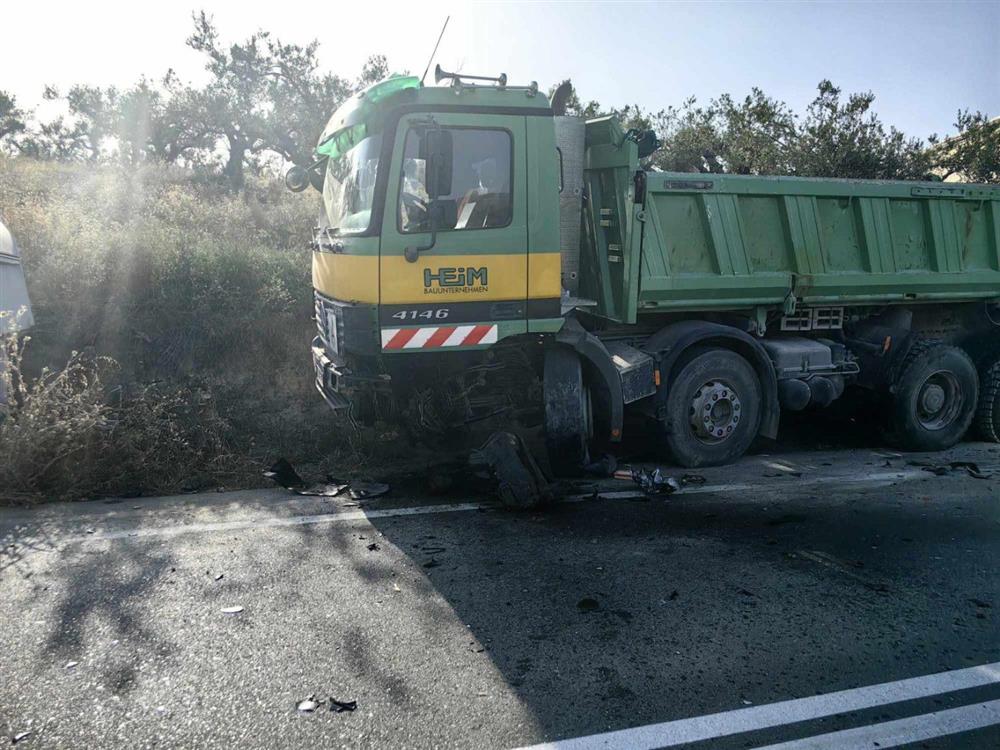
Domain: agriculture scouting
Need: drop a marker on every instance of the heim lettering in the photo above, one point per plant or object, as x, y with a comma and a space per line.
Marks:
455, 280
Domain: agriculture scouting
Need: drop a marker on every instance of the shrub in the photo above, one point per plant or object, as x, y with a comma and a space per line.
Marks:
182, 313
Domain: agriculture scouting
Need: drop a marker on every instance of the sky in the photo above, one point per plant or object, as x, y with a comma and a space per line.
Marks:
923, 60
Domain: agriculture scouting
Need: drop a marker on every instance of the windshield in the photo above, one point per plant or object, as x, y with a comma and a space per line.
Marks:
349, 187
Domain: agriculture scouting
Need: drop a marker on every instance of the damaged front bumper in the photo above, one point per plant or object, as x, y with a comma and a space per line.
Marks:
337, 382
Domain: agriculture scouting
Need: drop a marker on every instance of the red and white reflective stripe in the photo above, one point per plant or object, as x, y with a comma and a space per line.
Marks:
437, 337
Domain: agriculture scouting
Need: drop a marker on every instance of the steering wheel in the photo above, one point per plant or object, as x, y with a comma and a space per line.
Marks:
416, 212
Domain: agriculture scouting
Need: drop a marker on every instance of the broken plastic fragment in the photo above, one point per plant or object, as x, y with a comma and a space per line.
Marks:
232, 610
70, 664
219, 577
308, 705
341, 706
20, 736
362, 490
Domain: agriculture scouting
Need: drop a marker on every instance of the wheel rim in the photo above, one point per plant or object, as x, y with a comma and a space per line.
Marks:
939, 400
715, 412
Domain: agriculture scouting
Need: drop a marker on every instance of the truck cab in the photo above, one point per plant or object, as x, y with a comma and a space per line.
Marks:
439, 226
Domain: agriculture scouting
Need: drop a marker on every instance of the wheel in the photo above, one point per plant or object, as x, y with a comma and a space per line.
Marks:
711, 408
987, 419
568, 413
934, 397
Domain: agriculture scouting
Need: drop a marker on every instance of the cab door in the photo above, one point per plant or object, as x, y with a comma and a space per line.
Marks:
469, 288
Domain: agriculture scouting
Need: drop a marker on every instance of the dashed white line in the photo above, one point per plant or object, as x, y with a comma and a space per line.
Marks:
739, 721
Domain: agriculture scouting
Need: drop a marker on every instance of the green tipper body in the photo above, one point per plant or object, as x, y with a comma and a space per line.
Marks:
715, 242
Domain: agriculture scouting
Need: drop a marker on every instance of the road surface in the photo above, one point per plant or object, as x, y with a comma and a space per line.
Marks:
821, 599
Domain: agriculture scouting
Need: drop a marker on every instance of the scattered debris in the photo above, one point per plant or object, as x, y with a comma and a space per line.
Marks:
363, 490
373, 547
520, 483
395, 587
588, 605
232, 610
673, 595
341, 706
308, 705
692, 480
940, 470
220, 576
284, 474
652, 483
20, 736
70, 664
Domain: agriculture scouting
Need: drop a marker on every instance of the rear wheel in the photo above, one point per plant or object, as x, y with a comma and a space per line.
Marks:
568, 412
711, 409
934, 398
987, 418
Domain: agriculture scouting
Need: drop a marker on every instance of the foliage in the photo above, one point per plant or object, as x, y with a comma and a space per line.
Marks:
200, 296
13, 120
973, 154
836, 136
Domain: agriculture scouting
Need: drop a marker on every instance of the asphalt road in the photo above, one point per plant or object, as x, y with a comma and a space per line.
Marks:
758, 596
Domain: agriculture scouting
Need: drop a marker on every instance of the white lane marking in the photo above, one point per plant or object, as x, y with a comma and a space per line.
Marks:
359, 515
322, 518
902, 731
738, 721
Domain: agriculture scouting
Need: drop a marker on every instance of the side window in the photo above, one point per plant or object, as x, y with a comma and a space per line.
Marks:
480, 183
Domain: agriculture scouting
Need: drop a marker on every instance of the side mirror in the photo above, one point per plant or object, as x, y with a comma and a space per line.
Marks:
437, 152
297, 179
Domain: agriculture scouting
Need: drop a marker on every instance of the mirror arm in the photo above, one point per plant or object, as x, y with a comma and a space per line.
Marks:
412, 252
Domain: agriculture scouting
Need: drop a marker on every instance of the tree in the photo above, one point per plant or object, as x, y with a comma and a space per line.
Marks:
268, 96
973, 154
13, 121
847, 139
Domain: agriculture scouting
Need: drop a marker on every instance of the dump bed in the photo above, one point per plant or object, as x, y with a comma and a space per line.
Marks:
664, 241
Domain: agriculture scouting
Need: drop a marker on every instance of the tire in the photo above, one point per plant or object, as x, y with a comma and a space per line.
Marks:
987, 419
934, 397
568, 422
722, 388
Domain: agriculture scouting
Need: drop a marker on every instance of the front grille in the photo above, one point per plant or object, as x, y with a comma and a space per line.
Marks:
329, 324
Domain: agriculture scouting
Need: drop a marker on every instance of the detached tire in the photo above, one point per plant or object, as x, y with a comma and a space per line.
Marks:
934, 397
987, 419
568, 421
711, 408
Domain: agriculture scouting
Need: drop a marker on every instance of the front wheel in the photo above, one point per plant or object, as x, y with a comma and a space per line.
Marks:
711, 410
934, 397
569, 424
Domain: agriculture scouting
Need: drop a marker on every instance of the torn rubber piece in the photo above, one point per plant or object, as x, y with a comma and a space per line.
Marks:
655, 483
341, 706
519, 482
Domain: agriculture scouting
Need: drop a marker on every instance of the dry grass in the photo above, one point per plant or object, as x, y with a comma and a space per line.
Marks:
170, 349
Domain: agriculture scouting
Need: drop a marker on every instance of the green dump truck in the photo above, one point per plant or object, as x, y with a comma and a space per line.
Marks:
473, 227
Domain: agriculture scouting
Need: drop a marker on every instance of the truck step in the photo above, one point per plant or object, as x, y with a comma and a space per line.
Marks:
635, 368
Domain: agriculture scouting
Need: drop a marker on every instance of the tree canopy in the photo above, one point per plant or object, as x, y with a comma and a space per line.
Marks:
266, 102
